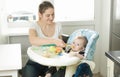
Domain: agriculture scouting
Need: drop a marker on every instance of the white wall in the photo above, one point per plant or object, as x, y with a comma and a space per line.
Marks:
3, 39
98, 29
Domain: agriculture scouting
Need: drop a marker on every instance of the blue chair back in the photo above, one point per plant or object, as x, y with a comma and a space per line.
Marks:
91, 35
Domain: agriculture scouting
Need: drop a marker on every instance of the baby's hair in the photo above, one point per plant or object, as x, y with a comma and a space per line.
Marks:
44, 6
83, 38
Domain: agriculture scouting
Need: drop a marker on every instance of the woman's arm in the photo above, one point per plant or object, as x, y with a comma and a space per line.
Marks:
35, 40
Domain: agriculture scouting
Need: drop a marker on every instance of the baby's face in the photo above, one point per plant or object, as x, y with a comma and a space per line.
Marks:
78, 44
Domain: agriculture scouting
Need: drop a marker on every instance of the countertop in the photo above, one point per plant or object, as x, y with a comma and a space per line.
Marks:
114, 56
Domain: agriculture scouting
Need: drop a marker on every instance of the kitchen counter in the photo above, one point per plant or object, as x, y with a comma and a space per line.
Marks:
114, 56
113, 63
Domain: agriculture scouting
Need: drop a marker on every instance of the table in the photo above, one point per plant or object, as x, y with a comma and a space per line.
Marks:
64, 60
114, 56
10, 59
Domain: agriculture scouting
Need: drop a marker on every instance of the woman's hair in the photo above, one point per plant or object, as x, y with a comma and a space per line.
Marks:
83, 38
44, 6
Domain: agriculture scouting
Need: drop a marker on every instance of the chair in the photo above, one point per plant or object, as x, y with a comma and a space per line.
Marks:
10, 59
92, 37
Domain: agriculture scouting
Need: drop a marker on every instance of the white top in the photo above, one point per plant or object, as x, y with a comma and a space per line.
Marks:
58, 30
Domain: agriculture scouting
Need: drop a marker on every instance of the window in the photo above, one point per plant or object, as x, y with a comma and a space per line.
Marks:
22, 10
27, 10
65, 10
74, 10
19, 16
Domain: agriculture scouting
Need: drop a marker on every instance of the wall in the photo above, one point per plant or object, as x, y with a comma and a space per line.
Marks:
68, 29
24, 41
3, 39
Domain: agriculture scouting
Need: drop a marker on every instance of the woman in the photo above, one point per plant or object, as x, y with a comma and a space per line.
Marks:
44, 31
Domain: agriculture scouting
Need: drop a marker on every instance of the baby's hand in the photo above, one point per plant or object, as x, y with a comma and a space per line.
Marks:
72, 54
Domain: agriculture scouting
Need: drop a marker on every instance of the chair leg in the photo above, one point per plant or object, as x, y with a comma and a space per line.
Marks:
70, 70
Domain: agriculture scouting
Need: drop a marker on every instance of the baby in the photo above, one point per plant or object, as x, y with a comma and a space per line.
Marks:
76, 49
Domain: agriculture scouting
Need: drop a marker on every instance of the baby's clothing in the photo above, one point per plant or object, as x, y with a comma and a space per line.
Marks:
83, 70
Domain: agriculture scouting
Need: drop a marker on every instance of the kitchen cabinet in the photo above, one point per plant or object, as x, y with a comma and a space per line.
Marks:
113, 58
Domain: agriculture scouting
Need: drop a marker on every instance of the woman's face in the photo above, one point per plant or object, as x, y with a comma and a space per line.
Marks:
48, 16
78, 44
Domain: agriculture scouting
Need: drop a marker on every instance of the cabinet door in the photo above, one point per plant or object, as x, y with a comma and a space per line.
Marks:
24, 41
110, 68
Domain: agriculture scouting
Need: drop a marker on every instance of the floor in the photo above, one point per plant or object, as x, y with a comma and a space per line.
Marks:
95, 75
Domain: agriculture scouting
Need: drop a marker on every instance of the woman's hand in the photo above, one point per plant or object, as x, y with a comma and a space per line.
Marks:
60, 43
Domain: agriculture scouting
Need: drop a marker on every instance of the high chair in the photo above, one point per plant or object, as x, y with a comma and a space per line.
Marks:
92, 37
